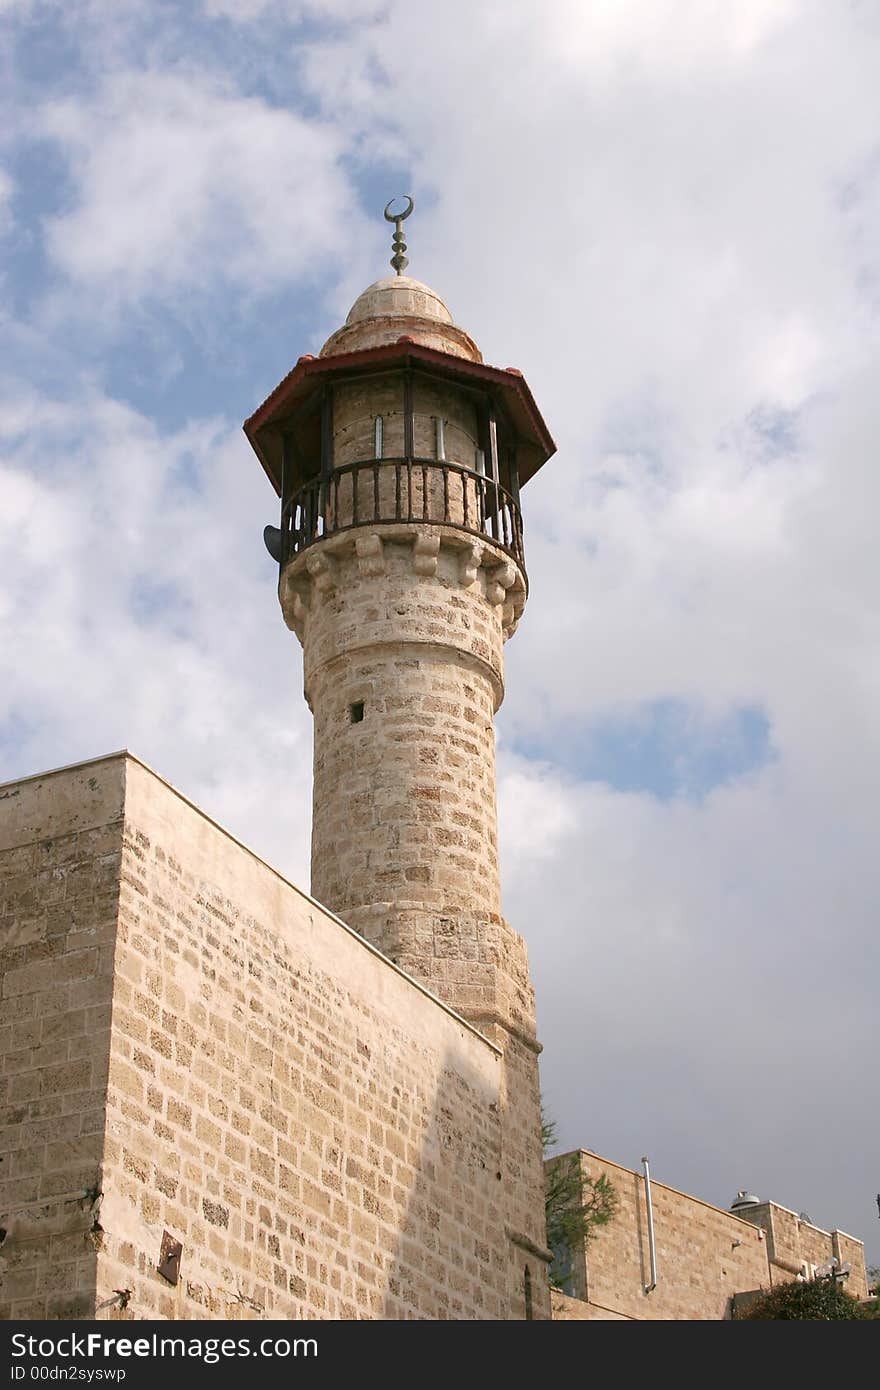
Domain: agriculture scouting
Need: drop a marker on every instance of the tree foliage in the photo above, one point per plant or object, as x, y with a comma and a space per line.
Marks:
577, 1206
809, 1300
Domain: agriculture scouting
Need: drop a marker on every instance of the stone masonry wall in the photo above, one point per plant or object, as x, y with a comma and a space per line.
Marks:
405, 797
405, 818
795, 1245
60, 842
356, 405
404, 836
568, 1309
704, 1255
402, 669
324, 1139
402, 627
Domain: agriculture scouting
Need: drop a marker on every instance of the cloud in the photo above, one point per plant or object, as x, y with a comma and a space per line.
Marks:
244, 12
138, 610
705, 979
183, 185
669, 36
7, 190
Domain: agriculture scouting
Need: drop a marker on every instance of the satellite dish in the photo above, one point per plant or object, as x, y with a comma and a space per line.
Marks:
272, 542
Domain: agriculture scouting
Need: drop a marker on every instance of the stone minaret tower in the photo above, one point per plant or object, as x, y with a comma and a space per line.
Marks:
399, 457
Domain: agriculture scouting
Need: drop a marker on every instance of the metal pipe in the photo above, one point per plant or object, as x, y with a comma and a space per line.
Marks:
408, 417
649, 1288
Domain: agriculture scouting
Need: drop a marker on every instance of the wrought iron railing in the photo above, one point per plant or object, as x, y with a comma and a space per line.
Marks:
389, 490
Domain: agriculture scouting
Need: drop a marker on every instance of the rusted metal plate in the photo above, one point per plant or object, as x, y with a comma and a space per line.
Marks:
170, 1252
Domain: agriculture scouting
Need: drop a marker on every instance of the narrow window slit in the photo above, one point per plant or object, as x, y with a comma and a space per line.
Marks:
356, 712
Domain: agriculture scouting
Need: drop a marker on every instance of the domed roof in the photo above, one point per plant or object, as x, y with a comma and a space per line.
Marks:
398, 295
399, 307
745, 1199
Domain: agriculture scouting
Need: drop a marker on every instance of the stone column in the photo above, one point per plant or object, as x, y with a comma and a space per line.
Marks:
402, 629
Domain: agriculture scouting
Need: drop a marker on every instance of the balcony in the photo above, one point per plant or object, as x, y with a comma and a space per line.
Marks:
377, 491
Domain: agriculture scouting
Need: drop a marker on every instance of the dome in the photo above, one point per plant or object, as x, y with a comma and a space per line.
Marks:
395, 296
745, 1199
399, 307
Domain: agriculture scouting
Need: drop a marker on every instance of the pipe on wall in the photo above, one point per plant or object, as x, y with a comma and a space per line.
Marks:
652, 1249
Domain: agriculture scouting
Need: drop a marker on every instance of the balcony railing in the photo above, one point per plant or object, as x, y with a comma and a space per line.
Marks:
389, 490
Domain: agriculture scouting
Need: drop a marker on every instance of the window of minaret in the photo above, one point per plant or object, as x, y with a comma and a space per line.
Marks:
440, 438
356, 712
527, 1290
378, 432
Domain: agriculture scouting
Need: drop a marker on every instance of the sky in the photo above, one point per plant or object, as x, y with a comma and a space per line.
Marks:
665, 213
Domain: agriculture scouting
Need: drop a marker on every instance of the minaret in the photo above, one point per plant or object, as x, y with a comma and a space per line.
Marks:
399, 456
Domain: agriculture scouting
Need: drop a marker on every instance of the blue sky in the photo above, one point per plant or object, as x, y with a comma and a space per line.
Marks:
665, 213
666, 748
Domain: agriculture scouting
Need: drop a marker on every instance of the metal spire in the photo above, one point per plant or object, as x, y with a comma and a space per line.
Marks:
398, 260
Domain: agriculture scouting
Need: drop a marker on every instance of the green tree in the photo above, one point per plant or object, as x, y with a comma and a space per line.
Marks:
810, 1300
577, 1206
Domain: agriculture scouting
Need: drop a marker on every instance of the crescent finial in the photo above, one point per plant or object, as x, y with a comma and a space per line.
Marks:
398, 260
398, 216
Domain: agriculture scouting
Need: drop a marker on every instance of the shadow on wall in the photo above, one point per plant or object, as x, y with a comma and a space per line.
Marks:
449, 1255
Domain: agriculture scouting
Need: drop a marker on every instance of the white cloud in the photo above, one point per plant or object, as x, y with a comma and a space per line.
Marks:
705, 979
183, 185
138, 610
246, 11
789, 363
7, 190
